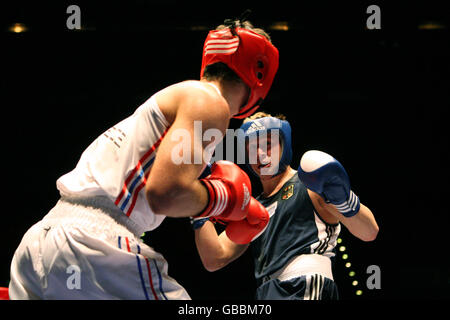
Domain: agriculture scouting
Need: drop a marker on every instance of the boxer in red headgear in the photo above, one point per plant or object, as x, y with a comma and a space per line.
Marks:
144, 168
250, 55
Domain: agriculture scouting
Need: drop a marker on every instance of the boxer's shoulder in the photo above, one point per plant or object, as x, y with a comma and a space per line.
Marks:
193, 97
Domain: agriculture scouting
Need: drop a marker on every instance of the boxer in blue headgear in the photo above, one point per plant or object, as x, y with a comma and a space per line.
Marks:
292, 255
265, 126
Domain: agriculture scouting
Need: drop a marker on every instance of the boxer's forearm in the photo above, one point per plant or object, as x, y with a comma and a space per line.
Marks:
216, 251
180, 201
362, 225
326, 176
209, 247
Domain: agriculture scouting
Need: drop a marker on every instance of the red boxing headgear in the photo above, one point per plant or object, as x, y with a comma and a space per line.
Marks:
250, 55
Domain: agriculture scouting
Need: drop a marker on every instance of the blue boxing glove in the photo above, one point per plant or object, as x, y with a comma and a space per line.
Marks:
206, 172
198, 222
324, 175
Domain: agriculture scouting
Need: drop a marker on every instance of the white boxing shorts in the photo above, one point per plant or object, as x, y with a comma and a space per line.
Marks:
88, 249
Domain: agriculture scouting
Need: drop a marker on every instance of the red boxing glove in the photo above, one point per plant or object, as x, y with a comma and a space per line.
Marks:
244, 231
229, 190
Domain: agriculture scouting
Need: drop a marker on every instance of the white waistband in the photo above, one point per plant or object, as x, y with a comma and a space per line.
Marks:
303, 265
97, 213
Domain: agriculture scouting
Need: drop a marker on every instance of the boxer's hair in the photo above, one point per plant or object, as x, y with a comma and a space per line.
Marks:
247, 25
219, 70
262, 114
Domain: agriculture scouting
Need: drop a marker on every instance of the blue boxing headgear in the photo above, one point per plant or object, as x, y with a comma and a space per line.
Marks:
255, 127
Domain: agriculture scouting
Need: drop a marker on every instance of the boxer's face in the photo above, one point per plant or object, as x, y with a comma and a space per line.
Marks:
268, 155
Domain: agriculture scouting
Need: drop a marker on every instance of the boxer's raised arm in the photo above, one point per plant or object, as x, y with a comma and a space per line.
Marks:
362, 225
216, 251
173, 188
330, 186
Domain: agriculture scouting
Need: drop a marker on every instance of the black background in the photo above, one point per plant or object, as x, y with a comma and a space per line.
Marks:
377, 100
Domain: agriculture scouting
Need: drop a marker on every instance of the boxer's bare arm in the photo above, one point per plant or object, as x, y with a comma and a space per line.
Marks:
362, 225
172, 188
216, 251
